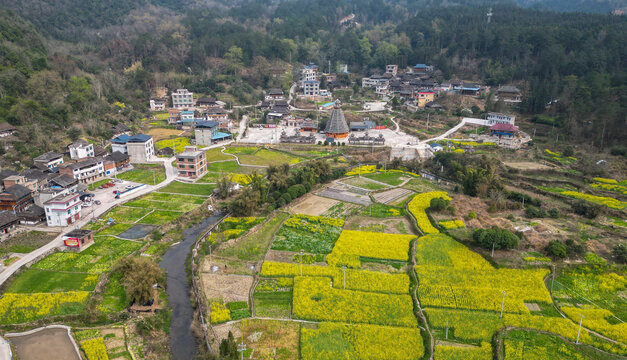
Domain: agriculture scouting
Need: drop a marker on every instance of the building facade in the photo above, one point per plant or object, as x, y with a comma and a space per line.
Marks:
497, 118
51, 160
85, 171
63, 210
311, 88
205, 132
182, 99
191, 163
139, 147
81, 149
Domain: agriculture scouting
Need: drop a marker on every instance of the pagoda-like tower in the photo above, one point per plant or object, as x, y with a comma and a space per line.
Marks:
337, 126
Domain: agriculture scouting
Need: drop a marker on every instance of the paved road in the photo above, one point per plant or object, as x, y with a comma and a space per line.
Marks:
107, 203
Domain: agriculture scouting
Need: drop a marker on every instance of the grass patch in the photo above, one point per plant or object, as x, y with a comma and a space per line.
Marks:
241, 150
216, 154
192, 189
162, 205
382, 211
126, 215
26, 242
266, 157
39, 281
144, 174
314, 234
421, 185
363, 183
159, 217
390, 178
273, 304
253, 247
115, 229
155, 196
114, 295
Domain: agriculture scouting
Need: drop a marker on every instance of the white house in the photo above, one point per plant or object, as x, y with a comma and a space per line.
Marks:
182, 99
374, 81
81, 149
311, 88
63, 210
157, 104
497, 118
139, 147
85, 171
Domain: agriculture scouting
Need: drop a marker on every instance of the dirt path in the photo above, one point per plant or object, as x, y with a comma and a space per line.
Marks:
414, 295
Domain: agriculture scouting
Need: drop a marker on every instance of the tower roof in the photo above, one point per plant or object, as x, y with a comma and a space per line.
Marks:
337, 123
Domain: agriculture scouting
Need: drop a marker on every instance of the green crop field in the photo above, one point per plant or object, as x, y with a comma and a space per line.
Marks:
216, 154
253, 247
144, 174
126, 215
26, 242
159, 217
363, 183
390, 178
115, 229
41, 281
162, 205
191, 189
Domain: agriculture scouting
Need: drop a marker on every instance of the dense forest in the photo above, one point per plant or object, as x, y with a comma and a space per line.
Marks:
97, 64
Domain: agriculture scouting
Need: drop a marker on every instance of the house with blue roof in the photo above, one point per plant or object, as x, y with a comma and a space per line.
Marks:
139, 147
206, 133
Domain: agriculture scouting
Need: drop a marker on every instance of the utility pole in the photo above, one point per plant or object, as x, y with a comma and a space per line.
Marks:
301, 261
579, 331
502, 304
241, 347
344, 276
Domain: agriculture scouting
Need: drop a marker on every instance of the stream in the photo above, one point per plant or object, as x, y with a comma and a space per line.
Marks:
183, 344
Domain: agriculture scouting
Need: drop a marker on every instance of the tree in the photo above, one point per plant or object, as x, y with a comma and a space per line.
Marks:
234, 59
228, 348
224, 186
620, 253
556, 248
497, 237
583, 208
139, 275
438, 204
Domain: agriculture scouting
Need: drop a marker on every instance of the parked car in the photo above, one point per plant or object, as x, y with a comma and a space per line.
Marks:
97, 202
86, 204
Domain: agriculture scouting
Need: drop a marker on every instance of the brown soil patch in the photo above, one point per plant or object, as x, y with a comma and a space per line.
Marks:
222, 331
119, 333
527, 165
389, 225
40, 345
313, 205
271, 339
227, 266
280, 256
533, 307
455, 344
226, 287
114, 343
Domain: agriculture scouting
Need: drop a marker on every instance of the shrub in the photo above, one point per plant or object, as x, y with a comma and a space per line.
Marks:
554, 213
556, 249
497, 237
620, 253
588, 210
472, 215
574, 248
534, 212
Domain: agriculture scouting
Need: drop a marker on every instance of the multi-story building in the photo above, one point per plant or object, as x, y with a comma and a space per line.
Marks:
425, 97
508, 94
182, 99
311, 88
309, 73
191, 163
391, 69
50, 160
157, 104
63, 210
205, 132
85, 171
16, 198
81, 149
374, 81
139, 147
497, 118
274, 94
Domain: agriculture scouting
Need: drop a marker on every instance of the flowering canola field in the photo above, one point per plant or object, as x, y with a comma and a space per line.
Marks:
418, 206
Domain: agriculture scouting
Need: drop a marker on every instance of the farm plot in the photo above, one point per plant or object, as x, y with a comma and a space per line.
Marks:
179, 144
150, 174
389, 196
314, 299
229, 288
314, 234
271, 339
382, 211
261, 157
353, 245
155, 196
313, 205
162, 205
252, 246
418, 206
160, 133
39, 345
343, 341
21, 308
188, 189
216, 154
126, 215
466, 352
158, 217
26, 242
364, 183
390, 178
40, 281
115, 229
273, 297
395, 225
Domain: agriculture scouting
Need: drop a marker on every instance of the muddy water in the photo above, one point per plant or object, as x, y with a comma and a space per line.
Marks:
183, 344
